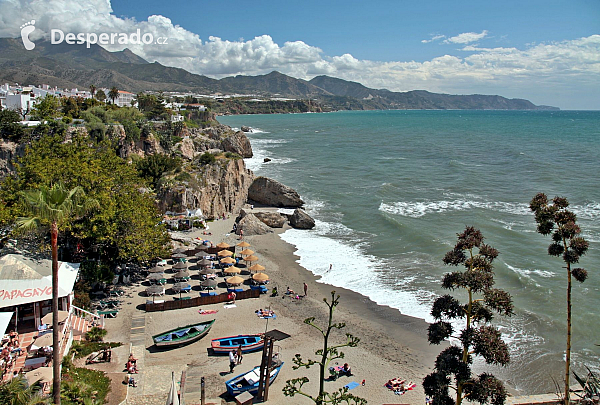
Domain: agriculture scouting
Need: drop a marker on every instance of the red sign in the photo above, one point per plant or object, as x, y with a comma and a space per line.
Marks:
29, 292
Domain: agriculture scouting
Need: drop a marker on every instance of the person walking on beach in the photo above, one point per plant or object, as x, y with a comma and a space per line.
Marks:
241, 234
305, 289
239, 355
231, 361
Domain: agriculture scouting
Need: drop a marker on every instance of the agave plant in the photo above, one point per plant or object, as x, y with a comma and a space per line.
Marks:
590, 386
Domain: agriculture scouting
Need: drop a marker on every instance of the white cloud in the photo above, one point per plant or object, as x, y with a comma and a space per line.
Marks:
540, 72
433, 38
466, 37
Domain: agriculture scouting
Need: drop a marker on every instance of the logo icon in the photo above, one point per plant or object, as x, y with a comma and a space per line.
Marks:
27, 29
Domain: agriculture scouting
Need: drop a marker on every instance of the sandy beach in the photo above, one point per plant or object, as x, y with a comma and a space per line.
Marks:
392, 344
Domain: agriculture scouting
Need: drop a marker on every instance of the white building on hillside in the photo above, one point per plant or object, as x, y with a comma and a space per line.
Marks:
22, 102
125, 98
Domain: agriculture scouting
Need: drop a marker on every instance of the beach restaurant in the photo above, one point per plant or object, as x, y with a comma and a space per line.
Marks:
26, 289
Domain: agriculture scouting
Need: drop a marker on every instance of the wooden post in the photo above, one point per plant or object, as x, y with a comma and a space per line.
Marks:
268, 376
202, 393
182, 388
263, 365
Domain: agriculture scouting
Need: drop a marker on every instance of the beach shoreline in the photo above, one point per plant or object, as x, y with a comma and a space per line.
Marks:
392, 344
396, 342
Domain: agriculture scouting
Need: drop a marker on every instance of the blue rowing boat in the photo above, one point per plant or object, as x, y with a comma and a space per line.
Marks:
249, 343
249, 381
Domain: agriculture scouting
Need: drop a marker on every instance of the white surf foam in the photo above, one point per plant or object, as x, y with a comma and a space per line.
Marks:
352, 268
416, 209
261, 149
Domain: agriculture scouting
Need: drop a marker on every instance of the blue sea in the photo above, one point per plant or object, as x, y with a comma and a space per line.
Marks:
390, 189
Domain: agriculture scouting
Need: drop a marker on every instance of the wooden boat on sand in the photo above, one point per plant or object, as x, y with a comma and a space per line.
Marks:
249, 381
182, 335
249, 343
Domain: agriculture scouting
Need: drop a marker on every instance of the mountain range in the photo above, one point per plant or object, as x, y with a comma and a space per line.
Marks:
69, 66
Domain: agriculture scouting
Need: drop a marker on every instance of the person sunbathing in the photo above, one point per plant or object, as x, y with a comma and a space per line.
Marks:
346, 370
288, 291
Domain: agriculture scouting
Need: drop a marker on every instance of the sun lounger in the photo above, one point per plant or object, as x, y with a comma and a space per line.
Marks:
208, 293
236, 290
262, 288
109, 314
182, 298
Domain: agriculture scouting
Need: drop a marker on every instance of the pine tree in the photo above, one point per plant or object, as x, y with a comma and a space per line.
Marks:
453, 364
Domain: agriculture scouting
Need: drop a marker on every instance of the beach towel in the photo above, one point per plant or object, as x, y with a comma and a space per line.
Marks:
230, 306
207, 311
268, 317
351, 385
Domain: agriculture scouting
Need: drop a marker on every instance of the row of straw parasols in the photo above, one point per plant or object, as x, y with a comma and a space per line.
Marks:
225, 254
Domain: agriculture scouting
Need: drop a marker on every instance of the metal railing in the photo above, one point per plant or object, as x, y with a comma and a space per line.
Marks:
87, 315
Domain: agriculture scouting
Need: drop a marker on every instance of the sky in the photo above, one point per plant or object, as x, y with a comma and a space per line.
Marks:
545, 51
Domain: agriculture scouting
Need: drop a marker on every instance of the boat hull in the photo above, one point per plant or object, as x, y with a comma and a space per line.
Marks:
184, 340
250, 343
240, 384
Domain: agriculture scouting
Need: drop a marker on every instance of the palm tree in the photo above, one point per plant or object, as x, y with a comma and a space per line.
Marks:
93, 90
53, 207
18, 392
113, 94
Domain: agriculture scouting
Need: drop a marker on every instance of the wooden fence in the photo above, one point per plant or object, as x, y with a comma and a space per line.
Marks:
199, 301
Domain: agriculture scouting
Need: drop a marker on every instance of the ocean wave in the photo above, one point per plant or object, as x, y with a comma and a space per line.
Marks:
530, 276
258, 131
261, 150
589, 211
416, 209
268, 141
352, 268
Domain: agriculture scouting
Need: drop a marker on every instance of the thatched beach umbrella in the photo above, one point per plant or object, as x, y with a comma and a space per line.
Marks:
243, 244
223, 245
235, 280
156, 276
180, 265
250, 258
178, 255
247, 252
261, 277
181, 274
204, 262
156, 270
228, 260
200, 254
256, 267
224, 253
206, 272
232, 270
62, 316
180, 250
155, 290
209, 283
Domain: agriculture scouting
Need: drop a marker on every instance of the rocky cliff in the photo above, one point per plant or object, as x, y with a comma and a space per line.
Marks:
219, 188
9, 151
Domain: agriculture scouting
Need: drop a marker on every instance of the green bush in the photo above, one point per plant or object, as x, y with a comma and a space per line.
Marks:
207, 158
83, 386
96, 334
232, 155
84, 348
183, 176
